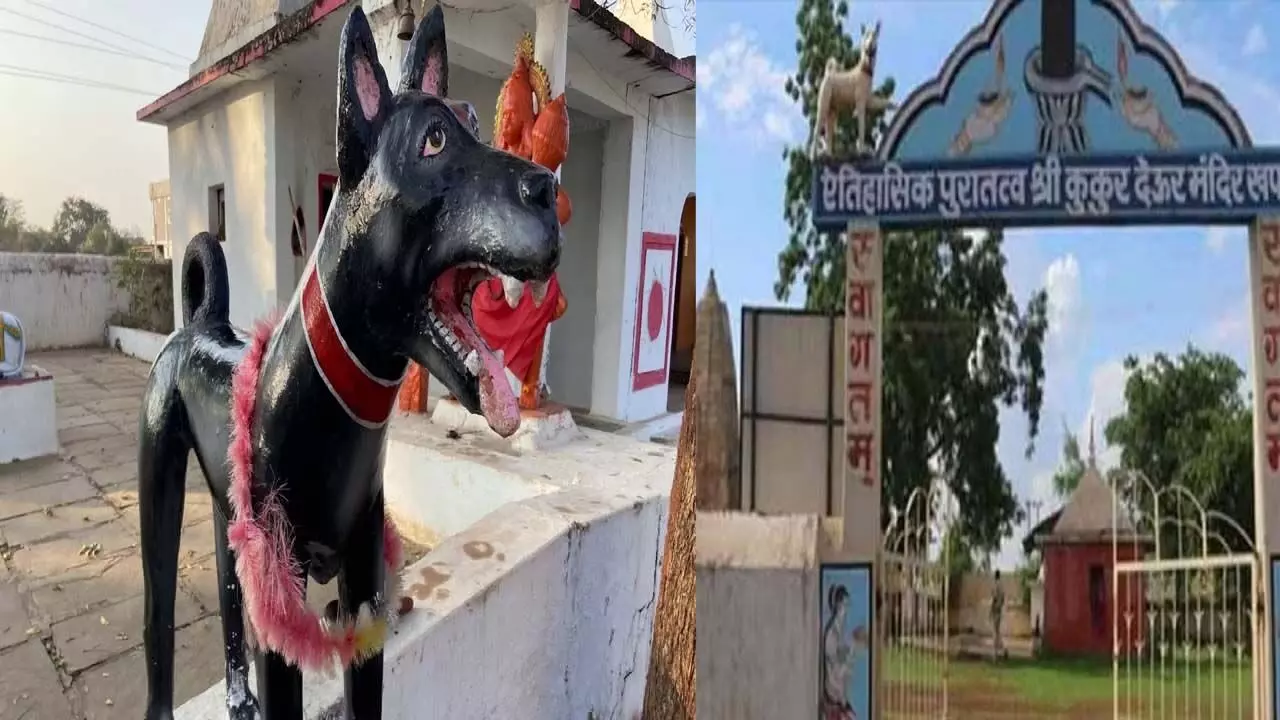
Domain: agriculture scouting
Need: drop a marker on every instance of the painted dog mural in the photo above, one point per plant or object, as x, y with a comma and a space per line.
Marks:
288, 421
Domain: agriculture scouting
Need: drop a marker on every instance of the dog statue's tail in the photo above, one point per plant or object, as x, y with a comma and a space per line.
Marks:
206, 296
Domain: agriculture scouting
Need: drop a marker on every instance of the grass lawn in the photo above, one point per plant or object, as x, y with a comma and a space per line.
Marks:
1063, 688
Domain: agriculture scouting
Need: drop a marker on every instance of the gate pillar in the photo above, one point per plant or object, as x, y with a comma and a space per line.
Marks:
857, 567
864, 293
1264, 296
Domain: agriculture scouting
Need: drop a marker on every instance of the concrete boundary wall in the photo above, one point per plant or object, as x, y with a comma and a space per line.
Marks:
758, 615
542, 609
141, 344
63, 301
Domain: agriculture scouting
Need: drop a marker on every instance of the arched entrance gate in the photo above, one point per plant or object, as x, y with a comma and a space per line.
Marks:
1065, 112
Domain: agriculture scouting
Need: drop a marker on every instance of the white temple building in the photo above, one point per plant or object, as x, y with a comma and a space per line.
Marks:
251, 138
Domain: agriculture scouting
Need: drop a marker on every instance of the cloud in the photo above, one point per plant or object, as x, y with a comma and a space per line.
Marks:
1062, 285
746, 89
1106, 401
1216, 237
1255, 43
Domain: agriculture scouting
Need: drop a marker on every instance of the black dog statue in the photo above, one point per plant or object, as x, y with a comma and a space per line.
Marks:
288, 422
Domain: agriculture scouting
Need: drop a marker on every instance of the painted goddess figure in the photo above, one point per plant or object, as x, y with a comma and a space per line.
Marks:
838, 654
13, 346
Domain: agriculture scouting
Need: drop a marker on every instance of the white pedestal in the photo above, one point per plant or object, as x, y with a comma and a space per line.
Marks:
28, 417
542, 429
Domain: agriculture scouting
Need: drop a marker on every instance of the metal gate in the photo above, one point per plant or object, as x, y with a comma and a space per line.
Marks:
1184, 598
913, 593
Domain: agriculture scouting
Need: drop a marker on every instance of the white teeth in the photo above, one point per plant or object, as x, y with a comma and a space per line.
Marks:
513, 289
472, 362
539, 290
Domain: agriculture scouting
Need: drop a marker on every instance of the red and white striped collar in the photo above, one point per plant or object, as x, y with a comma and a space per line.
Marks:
367, 398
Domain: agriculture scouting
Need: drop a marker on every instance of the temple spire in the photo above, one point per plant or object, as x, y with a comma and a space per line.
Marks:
1093, 458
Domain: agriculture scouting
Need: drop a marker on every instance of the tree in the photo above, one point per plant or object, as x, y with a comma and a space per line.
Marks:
957, 553
957, 556
1188, 422
1071, 469
34, 239
956, 344
103, 239
1028, 573
75, 219
12, 223
670, 690
100, 240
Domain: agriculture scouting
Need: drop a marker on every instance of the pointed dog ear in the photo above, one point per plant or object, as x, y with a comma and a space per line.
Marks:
426, 62
363, 98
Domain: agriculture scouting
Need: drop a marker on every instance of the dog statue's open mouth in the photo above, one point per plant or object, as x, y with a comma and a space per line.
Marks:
455, 335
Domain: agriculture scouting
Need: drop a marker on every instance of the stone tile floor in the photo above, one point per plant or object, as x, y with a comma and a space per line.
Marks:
70, 576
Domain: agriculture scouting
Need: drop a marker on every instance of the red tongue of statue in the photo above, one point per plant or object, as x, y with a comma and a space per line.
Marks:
497, 401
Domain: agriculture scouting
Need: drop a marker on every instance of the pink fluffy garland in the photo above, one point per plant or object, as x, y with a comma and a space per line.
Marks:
270, 576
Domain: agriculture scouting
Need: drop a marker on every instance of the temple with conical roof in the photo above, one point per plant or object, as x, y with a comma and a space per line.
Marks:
1080, 545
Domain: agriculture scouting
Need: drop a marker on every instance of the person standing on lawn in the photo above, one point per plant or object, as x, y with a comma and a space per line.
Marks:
997, 615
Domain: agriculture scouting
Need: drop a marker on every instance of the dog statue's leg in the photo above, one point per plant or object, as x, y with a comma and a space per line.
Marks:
241, 704
279, 687
279, 683
360, 581
162, 472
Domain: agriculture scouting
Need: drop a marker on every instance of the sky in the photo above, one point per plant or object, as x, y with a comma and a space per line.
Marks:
59, 139
1112, 293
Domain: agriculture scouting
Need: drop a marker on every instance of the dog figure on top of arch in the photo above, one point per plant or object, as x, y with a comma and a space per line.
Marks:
288, 421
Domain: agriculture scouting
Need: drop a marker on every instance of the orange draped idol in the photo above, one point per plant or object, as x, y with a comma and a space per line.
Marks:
521, 332
518, 332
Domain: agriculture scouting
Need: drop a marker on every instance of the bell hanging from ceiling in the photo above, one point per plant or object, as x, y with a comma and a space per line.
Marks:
405, 29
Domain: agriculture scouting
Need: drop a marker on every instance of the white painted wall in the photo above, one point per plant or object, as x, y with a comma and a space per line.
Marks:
142, 344
542, 609
304, 124
28, 425
621, 190
649, 171
758, 625
470, 476
62, 300
670, 176
228, 142
573, 337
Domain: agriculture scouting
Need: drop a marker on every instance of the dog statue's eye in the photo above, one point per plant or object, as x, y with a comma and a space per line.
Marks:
435, 142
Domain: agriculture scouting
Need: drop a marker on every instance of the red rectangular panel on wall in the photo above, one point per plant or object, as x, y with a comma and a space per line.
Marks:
326, 187
655, 301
